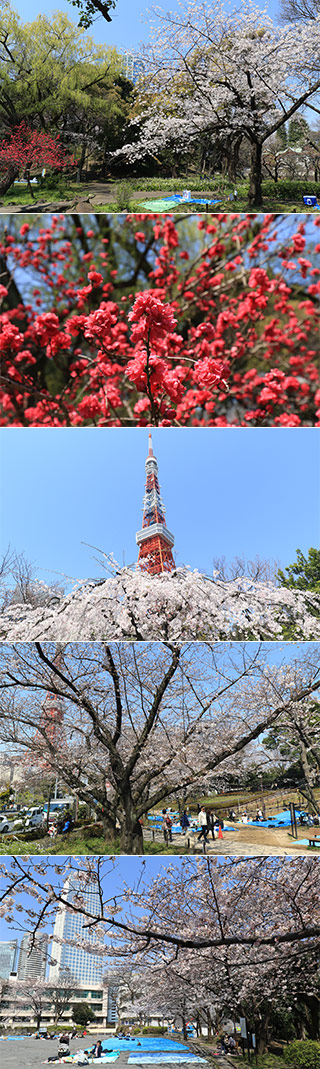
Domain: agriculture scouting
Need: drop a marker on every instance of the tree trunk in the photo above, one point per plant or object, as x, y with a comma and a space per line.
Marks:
262, 1037
30, 188
233, 161
8, 179
131, 837
308, 791
81, 162
109, 827
255, 186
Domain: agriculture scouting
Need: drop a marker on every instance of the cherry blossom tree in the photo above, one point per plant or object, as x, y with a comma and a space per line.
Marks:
160, 321
178, 606
297, 740
143, 721
237, 73
240, 935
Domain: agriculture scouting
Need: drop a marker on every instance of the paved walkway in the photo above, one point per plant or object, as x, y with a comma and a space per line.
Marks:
232, 845
32, 1053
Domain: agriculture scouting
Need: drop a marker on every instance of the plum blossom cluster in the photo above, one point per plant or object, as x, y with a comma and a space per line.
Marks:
24, 151
178, 607
219, 338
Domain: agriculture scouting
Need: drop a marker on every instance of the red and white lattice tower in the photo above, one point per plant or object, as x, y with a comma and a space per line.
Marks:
52, 713
154, 540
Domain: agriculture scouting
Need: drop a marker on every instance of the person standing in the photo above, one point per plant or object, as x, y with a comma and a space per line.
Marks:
166, 826
203, 824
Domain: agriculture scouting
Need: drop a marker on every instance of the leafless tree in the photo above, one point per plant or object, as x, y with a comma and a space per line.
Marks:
257, 569
298, 10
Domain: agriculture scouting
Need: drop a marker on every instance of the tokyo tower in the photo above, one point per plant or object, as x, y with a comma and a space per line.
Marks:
154, 540
52, 714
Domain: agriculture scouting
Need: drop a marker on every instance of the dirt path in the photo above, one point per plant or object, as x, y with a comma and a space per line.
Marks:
245, 839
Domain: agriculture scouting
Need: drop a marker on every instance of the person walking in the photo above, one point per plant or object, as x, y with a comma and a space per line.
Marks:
210, 822
203, 824
185, 822
166, 826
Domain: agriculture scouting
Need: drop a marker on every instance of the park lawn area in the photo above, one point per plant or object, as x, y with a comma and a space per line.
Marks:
264, 1061
128, 194
247, 797
77, 843
22, 197
241, 205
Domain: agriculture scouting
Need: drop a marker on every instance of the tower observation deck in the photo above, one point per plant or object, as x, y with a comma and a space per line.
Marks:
155, 541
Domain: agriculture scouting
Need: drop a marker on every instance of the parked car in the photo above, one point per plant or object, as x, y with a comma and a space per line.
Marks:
8, 824
35, 820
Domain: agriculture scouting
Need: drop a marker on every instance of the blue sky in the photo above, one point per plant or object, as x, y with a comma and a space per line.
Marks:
127, 869
226, 492
130, 22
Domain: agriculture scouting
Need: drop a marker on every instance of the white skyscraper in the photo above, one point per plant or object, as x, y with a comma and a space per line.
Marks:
8, 953
33, 963
85, 967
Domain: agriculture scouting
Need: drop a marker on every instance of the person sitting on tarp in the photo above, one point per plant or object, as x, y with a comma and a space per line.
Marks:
64, 1049
97, 1051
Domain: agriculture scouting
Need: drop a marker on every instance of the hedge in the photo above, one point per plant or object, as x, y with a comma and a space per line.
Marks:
303, 1054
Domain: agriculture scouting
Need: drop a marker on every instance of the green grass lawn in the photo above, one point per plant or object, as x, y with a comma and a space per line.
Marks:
76, 843
284, 197
22, 197
264, 1061
269, 205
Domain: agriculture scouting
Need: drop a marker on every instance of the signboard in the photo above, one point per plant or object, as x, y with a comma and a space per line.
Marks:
253, 1038
243, 1027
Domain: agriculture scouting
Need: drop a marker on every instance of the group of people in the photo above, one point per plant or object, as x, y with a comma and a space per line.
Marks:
228, 1044
64, 1050
207, 820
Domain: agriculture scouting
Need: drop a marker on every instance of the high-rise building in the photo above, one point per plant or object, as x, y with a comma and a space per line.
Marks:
33, 960
155, 541
69, 930
130, 67
8, 954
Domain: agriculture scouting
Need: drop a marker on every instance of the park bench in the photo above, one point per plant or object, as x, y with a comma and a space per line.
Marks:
314, 840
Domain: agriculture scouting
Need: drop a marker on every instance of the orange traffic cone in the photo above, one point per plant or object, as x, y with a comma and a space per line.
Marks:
220, 836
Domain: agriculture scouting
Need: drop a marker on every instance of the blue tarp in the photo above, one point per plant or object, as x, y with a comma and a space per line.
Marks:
280, 820
142, 1043
306, 842
191, 200
150, 1059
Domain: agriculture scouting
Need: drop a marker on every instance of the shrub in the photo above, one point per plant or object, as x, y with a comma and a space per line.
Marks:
303, 1054
287, 189
124, 196
154, 1030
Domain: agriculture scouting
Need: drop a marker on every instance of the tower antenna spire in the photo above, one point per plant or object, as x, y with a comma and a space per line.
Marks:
155, 541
